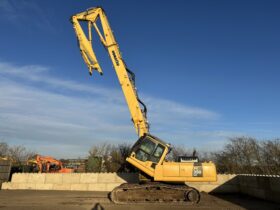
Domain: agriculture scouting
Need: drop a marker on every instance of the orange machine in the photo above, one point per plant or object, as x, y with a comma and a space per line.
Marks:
47, 164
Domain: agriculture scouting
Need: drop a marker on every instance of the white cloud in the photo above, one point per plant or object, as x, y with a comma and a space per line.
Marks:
39, 74
66, 125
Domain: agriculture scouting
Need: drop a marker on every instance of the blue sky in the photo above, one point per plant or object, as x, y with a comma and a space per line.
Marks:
208, 70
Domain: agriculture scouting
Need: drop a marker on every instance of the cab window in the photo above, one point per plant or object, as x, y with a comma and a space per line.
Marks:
148, 146
158, 152
145, 150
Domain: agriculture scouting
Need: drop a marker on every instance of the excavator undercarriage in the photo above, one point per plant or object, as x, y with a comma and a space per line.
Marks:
154, 192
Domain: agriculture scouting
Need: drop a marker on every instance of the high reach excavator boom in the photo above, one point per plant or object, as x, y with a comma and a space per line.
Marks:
149, 153
125, 76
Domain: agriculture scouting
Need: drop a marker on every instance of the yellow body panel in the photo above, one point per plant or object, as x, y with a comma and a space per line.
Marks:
142, 166
183, 172
176, 171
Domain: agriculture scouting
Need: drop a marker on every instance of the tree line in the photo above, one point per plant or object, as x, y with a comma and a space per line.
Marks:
246, 155
17, 153
239, 155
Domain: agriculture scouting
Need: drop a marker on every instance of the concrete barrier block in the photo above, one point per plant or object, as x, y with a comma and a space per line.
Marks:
71, 178
201, 183
25, 186
127, 178
223, 178
250, 181
88, 178
240, 179
205, 188
61, 187
274, 183
36, 178
226, 188
243, 189
233, 179
231, 176
15, 186
79, 187
44, 186
6, 186
258, 193
263, 182
111, 186
243, 180
20, 178
53, 178
106, 177
273, 196
97, 187
202, 186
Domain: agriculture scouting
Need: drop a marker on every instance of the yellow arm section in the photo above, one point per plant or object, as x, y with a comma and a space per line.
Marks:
91, 16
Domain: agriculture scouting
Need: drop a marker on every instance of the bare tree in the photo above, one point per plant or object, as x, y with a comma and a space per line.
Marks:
3, 149
100, 150
238, 156
113, 164
109, 158
270, 151
19, 154
99, 156
116, 162
124, 150
247, 155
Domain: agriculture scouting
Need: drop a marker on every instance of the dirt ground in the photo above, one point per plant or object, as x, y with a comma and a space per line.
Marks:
28, 199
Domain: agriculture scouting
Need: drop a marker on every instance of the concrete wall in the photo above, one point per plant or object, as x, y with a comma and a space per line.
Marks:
226, 183
74, 181
264, 187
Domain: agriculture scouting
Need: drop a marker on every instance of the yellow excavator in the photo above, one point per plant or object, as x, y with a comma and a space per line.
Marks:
164, 180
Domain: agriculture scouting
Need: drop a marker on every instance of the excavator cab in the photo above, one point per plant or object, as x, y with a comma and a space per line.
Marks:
148, 152
149, 148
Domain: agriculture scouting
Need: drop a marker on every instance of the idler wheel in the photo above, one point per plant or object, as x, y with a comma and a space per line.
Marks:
192, 196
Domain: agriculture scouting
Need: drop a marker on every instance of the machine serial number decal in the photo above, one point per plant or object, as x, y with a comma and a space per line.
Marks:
197, 171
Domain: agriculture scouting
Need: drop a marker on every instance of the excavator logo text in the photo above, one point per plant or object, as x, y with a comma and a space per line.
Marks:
115, 58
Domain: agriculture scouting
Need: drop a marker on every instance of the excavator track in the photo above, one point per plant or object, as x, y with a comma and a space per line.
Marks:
154, 192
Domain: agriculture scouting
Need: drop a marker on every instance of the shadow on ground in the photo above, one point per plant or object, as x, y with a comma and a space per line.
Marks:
250, 192
98, 206
248, 202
